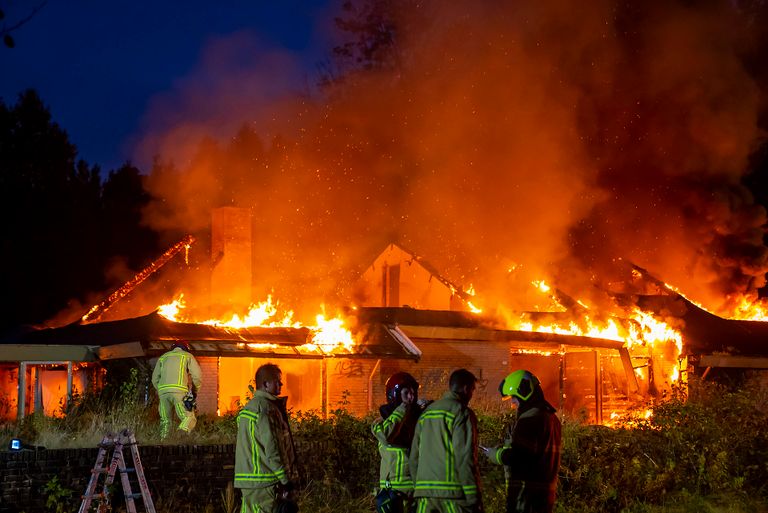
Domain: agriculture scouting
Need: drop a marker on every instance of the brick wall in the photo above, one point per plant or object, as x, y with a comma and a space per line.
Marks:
348, 384
177, 475
207, 396
180, 473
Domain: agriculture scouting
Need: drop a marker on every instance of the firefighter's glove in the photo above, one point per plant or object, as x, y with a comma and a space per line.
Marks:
189, 401
493, 453
285, 490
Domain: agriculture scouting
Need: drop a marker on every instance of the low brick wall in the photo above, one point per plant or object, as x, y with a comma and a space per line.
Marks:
180, 475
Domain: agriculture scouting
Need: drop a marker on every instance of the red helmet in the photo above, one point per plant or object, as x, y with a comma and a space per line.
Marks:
396, 383
182, 344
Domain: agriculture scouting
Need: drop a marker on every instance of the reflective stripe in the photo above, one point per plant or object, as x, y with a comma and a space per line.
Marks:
395, 417
438, 414
438, 485
180, 382
173, 387
447, 417
257, 478
255, 463
399, 463
182, 368
251, 415
402, 483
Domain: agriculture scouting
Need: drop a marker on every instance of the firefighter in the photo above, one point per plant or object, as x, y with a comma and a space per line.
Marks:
532, 458
265, 459
444, 452
394, 433
170, 380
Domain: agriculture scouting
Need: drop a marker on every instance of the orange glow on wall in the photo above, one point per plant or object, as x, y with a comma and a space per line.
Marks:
301, 382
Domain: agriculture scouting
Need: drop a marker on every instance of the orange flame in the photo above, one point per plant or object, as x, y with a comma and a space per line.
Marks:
638, 330
328, 335
746, 308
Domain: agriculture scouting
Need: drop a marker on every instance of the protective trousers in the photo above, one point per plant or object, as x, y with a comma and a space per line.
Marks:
258, 500
435, 505
172, 401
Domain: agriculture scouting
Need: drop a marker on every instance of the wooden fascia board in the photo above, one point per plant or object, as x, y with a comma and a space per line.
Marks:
731, 361
124, 350
46, 353
490, 335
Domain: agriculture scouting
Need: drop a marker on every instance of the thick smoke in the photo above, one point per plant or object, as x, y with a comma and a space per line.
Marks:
543, 137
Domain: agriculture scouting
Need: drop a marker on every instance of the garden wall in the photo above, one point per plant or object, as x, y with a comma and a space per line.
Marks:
177, 475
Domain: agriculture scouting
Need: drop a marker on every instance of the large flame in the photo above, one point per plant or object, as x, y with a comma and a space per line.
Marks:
328, 335
639, 330
742, 308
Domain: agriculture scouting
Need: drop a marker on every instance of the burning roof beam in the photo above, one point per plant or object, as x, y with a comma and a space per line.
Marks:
98, 310
486, 335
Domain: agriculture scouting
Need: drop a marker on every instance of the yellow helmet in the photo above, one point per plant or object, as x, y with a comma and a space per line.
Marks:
521, 384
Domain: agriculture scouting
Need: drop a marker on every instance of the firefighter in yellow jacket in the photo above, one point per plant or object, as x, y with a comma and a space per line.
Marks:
443, 456
170, 380
265, 459
394, 433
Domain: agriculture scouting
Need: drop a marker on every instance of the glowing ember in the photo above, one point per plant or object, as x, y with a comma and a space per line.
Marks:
257, 347
472, 308
534, 351
630, 418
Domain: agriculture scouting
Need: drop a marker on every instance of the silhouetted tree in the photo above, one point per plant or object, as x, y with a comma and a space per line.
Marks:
6, 28
123, 198
59, 225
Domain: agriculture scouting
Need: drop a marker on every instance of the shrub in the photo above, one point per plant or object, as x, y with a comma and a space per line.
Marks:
696, 453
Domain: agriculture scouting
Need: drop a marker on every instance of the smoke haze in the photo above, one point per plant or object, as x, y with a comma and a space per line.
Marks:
537, 136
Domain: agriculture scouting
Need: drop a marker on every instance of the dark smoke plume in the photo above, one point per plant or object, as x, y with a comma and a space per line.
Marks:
547, 137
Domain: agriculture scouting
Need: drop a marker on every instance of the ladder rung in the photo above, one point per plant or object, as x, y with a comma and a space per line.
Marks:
94, 496
111, 449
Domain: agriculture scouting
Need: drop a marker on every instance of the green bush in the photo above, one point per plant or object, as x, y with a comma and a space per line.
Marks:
341, 449
713, 444
705, 452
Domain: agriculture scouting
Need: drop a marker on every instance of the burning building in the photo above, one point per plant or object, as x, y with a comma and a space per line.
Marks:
403, 315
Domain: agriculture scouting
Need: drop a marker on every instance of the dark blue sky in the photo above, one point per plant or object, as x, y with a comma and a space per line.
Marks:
98, 65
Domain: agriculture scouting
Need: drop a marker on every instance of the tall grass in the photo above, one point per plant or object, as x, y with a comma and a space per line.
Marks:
704, 453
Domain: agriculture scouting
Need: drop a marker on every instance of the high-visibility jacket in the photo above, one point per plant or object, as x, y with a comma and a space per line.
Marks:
264, 454
444, 452
171, 370
394, 471
533, 458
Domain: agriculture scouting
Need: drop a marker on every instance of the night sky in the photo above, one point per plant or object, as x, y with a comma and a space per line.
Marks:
100, 65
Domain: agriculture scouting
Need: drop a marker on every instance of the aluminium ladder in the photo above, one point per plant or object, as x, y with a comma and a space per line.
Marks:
116, 443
